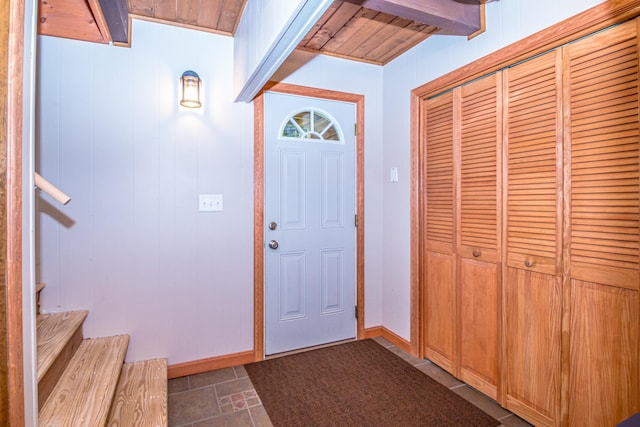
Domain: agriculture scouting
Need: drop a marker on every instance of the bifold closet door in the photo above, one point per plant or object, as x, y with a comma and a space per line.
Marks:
479, 219
533, 222
440, 281
602, 145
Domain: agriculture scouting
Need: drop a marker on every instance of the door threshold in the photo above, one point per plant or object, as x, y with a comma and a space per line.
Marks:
302, 350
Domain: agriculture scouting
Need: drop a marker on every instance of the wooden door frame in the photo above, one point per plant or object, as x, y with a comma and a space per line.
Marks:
258, 202
11, 345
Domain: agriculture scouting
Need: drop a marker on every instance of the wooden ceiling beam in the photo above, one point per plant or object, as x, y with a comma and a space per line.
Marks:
451, 16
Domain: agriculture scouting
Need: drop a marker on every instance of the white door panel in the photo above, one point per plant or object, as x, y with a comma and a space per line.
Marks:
310, 281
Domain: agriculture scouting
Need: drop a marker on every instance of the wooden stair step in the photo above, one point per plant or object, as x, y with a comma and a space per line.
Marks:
83, 394
59, 335
141, 395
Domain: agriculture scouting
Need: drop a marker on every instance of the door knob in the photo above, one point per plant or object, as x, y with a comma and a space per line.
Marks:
273, 244
273, 225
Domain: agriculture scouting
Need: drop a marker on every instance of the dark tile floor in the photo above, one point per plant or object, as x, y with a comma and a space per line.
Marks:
226, 397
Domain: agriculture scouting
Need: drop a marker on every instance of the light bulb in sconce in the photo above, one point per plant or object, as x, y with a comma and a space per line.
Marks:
190, 85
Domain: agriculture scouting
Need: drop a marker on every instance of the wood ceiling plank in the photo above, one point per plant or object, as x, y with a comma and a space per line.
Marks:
353, 33
210, 11
141, 7
231, 12
165, 9
382, 37
405, 39
320, 23
187, 11
452, 17
344, 14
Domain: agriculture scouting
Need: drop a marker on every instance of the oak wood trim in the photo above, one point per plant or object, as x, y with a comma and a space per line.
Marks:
589, 21
209, 364
258, 247
342, 56
129, 26
177, 24
101, 21
565, 339
258, 227
393, 338
13, 209
417, 243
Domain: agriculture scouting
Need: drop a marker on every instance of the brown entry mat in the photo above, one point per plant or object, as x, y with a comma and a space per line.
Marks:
359, 383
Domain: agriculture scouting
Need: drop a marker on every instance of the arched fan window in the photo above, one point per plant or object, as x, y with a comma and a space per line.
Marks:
311, 124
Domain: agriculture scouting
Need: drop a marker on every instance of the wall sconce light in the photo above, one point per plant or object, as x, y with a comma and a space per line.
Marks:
190, 83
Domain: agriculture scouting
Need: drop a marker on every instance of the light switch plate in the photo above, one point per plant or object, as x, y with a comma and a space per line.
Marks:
393, 175
210, 203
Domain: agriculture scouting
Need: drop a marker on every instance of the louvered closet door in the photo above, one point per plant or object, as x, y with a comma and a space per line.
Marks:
479, 236
602, 142
533, 287
440, 280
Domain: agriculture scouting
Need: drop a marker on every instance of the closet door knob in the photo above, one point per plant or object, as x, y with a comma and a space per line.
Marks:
476, 253
528, 262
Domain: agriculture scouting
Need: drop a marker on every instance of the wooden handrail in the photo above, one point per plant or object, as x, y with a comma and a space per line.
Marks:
51, 189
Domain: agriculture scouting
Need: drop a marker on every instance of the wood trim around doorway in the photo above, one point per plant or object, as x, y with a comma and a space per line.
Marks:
12, 404
258, 202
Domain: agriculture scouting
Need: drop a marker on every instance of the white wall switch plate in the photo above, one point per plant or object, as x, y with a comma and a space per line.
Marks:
393, 175
210, 203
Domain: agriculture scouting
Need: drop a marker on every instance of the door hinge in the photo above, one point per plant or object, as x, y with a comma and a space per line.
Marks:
355, 129
356, 311
355, 220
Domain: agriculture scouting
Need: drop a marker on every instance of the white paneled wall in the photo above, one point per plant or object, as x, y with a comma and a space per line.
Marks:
507, 22
131, 246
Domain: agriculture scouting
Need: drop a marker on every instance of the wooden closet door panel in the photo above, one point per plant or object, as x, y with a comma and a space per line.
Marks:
440, 185
603, 386
440, 308
478, 315
602, 144
479, 219
532, 364
603, 141
439, 284
533, 285
480, 169
534, 164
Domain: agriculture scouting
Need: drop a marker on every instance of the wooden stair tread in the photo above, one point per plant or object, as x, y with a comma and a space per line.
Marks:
54, 331
83, 394
141, 395
39, 287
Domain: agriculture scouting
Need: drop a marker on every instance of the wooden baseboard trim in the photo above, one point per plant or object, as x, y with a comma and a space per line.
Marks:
209, 364
236, 359
381, 331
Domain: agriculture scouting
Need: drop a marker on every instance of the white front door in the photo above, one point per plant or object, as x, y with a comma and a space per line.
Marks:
309, 212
